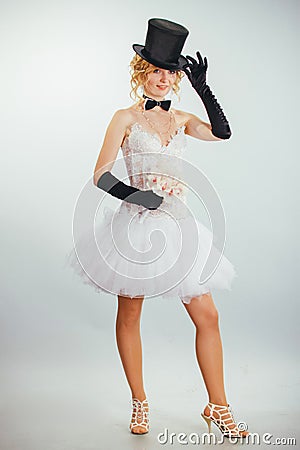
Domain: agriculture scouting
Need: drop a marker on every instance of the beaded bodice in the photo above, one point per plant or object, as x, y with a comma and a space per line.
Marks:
152, 165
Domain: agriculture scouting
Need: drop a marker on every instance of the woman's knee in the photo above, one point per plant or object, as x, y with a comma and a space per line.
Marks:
204, 312
129, 312
211, 316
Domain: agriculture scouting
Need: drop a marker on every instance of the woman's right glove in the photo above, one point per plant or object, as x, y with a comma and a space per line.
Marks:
110, 184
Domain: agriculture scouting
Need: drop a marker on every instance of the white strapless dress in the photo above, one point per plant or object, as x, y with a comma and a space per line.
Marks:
138, 252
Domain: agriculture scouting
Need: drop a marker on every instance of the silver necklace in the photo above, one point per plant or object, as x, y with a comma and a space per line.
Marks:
159, 132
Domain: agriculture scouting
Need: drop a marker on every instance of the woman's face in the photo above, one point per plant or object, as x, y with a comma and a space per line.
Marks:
159, 82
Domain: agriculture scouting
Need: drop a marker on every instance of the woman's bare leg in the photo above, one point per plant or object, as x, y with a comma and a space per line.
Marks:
130, 346
205, 317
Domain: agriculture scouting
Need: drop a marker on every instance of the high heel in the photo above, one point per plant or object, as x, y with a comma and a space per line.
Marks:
140, 410
208, 421
223, 418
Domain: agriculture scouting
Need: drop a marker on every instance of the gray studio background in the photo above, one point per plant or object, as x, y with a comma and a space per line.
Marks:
64, 71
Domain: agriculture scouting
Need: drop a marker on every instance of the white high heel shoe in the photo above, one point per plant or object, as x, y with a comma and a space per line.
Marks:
140, 415
222, 417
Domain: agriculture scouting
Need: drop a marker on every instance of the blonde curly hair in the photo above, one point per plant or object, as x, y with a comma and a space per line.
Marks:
139, 71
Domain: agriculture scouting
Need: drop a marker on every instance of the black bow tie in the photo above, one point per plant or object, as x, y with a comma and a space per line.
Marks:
150, 103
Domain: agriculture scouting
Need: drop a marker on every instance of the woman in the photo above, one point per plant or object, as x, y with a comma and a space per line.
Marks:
152, 125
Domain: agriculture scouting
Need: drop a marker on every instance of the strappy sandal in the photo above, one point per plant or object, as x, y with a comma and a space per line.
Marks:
222, 417
140, 415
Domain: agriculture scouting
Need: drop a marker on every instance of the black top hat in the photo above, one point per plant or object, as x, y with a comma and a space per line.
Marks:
164, 42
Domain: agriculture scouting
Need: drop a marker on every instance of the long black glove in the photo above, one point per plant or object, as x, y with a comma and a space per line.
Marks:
109, 183
196, 72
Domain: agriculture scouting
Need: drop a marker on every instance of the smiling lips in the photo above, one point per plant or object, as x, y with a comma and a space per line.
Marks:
162, 87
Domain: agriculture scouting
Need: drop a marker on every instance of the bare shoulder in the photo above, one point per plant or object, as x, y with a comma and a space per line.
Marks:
126, 116
181, 117
122, 115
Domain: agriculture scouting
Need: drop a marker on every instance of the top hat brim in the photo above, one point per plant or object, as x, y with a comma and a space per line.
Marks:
182, 61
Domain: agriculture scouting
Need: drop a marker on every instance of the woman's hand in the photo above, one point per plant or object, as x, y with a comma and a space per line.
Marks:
196, 72
149, 199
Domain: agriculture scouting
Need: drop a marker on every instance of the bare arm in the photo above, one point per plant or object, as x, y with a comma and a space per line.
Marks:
199, 129
112, 141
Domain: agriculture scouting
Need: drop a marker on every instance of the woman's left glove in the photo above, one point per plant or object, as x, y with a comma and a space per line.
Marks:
196, 73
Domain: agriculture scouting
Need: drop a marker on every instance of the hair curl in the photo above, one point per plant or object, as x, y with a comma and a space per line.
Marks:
139, 71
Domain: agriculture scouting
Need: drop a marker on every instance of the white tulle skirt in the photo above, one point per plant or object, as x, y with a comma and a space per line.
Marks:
133, 252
